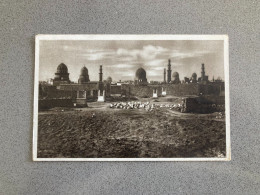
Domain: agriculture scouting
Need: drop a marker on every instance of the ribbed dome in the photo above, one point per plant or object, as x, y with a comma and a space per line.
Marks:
175, 75
62, 68
84, 71
83, 77
140, 74
62, 75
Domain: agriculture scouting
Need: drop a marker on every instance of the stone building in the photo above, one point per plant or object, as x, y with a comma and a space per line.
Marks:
61, 75
83, 91
175, 78
83, 77
194, 78
164, 75
169, 72
140, 77
109, 80
203, 78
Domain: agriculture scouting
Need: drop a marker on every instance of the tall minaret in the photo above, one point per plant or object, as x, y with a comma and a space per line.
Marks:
100, 74
169, 71
202, 72
164, 75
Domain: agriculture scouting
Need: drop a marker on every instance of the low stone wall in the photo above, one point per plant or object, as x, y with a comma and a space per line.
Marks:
210, 89
182, 89
205, 104
129, 90
171, 89
191, 89
51, 92
140, 91
211, 99
51, 103
115, 89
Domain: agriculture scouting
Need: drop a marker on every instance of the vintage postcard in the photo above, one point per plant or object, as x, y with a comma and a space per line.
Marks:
131, 98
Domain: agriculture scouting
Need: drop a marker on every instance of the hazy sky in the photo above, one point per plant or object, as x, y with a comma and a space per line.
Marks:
121, 58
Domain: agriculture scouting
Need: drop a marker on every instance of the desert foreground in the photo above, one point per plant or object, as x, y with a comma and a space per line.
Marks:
101, 132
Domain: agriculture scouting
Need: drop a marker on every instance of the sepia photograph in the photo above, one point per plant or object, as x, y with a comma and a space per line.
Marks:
131, 98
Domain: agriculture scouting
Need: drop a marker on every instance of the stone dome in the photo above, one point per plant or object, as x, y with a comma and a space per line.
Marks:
140, 74
194, 78
194, 75
61, 75
84, 71
83, 77
175, 78
175, 75
62, 68
109, 79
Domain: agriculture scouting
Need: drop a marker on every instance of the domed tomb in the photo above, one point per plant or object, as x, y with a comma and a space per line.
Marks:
62, 73
109, 79
140, 76
175, 78
194, 78
83, 77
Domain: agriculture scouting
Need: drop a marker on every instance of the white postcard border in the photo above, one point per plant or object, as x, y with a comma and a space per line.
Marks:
131, 37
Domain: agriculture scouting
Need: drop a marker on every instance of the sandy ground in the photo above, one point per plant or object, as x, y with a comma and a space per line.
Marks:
76, 133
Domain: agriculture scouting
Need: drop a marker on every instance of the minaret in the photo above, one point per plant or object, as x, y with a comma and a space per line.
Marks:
100, 74
202, 72
164, 75
169, 71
